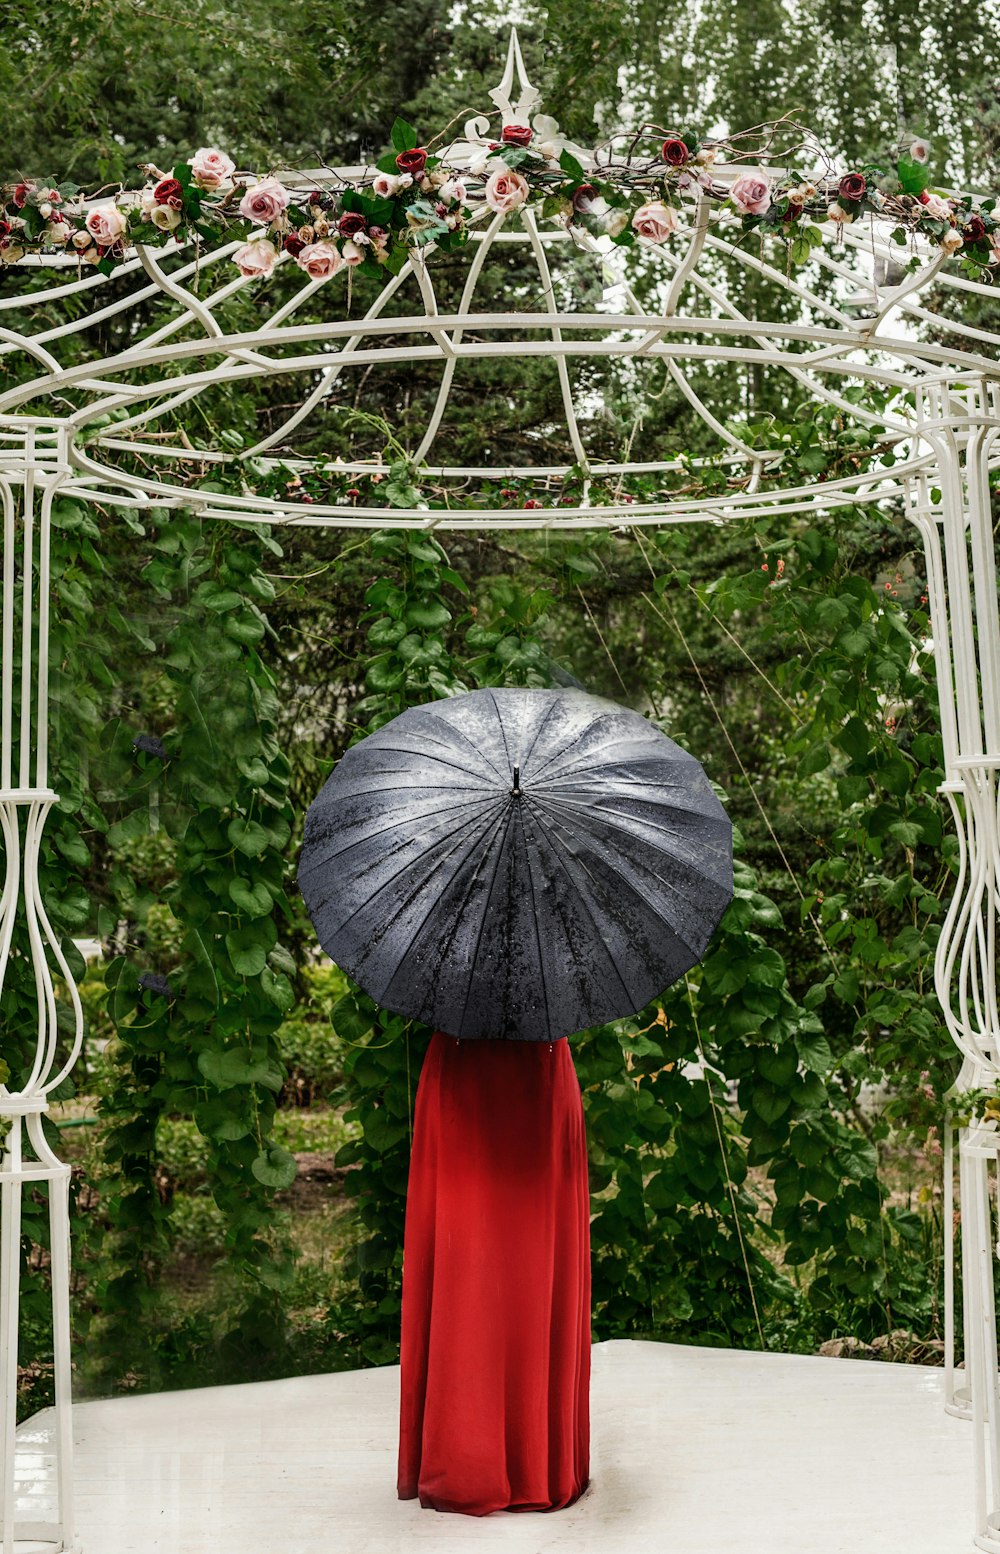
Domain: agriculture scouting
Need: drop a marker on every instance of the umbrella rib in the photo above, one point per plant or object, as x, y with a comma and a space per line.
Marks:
416, 932
565, 868
428, 755
531, 749
395, 876
633, 886
608, 816
482, 921
538, 933
503, 731
386, 830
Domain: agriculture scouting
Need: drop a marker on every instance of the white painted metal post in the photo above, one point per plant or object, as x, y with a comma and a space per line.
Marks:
28, 485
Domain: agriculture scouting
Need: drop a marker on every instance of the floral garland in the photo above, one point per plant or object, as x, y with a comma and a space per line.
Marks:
414, 197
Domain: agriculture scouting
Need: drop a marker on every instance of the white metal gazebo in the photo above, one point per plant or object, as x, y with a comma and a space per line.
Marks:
78, 430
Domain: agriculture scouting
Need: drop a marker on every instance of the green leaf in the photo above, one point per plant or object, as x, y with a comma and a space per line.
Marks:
275, 1167
912, 175
252, 897
348, 1020
247, 837
403, 136
278, 989
428, 614
239, 1066
569, 164
247, 950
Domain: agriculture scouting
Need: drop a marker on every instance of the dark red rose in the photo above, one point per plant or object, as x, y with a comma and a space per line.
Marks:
675, 152
517, 134
582, 196
974, 229
352, 491
316, 198
350, 223
293, 245
21, 193
531, 502
169, 192
5, 229
412, 161
853, 187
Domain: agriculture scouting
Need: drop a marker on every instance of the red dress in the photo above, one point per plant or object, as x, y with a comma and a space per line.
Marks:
495, 1340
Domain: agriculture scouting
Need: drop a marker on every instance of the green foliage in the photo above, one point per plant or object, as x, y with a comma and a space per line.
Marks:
206, 1046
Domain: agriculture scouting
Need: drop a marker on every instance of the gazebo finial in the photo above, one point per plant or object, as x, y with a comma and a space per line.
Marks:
516, 113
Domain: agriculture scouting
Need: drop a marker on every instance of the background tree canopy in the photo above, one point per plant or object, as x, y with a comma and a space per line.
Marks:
752, 1183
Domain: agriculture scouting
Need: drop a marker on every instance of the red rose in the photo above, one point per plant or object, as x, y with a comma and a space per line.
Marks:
675, 152
853, 187
412, 161
975, 228
21, 193
169, 192
517, 134
582, 196
350, 223
293, 245
5, 229
316, 198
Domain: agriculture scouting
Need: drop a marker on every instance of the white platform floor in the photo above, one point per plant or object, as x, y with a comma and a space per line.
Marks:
693, 1451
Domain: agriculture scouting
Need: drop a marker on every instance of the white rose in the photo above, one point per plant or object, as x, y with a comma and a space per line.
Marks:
614, 222
385, 185
837, 212
952, 241
165, 218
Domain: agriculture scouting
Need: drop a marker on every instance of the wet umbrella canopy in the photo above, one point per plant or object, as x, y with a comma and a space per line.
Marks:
516, 863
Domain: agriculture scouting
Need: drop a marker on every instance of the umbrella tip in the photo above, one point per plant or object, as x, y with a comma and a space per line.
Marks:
516, 789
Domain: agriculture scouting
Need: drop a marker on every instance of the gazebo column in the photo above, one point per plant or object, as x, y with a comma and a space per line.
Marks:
30, 478
961, 423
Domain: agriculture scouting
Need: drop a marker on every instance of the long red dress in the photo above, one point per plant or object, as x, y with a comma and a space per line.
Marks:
495, 1340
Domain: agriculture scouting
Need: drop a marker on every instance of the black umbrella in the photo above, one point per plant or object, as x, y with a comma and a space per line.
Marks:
516, 863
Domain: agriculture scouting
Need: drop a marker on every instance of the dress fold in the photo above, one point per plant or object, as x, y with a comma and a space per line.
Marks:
495, 1325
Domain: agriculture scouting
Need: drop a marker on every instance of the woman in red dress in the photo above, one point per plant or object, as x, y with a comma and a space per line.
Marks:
495, 1340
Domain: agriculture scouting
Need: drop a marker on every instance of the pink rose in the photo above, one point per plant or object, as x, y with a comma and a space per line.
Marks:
319, 260
505, 190
654, 222
256, 258
352, 253
751, 194
210, 169
58, 232
106, 224
385, 185
264, 202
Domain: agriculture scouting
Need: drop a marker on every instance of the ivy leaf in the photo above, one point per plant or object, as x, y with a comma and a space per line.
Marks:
275, 1167
217, 1119
247, 951
239, 1066
348, 1020
253, 898
278, 989
428, 614
247, 837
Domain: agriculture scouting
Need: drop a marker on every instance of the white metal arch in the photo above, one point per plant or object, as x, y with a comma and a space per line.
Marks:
843, 325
